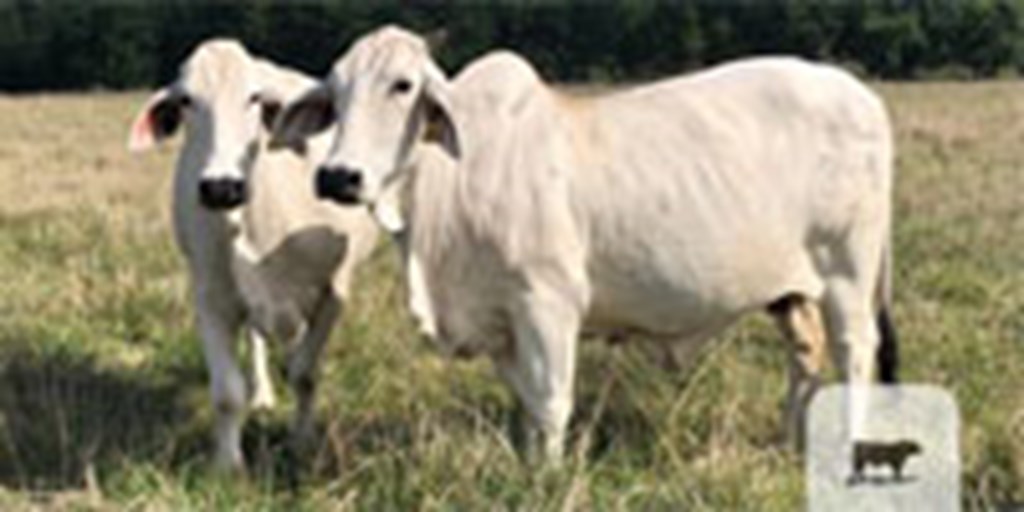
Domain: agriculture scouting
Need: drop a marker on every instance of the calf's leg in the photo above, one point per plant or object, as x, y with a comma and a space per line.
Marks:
303, 366
218, 326
263, 396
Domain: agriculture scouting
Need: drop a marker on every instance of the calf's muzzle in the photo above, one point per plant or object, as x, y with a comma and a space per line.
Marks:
222, 193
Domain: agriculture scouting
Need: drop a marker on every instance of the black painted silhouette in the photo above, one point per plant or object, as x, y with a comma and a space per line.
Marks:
878, 453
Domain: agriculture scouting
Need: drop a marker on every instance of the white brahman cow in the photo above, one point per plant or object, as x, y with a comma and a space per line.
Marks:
667, 210
263, 253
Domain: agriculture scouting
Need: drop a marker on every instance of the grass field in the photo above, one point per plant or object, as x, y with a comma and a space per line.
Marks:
103, 389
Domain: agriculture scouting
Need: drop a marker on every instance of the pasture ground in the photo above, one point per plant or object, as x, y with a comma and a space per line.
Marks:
103, 389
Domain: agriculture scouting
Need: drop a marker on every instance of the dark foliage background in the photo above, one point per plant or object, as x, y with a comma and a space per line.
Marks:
65, 44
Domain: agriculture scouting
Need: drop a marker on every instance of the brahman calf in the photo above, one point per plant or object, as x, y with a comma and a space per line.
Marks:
263, 253
667, 210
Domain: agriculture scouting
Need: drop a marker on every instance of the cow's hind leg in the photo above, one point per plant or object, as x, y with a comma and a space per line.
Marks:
857, 344
799, 319
849, 309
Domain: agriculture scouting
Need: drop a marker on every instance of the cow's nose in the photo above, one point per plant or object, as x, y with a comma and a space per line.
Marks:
340, 184
222, 193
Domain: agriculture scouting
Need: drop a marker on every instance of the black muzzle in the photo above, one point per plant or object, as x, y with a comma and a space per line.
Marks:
222, 193
339, 185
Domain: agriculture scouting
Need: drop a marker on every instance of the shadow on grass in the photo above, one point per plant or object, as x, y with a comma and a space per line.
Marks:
64, 415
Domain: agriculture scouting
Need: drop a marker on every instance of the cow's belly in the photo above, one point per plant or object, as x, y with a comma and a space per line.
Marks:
660, 310
684, 293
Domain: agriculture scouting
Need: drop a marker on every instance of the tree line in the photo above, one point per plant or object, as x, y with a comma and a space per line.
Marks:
64, 44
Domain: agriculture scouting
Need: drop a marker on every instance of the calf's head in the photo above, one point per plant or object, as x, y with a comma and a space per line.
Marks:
384, 96
223, 99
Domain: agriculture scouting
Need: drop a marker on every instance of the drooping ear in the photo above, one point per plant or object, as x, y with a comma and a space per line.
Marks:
158, 119
270, 109
310, 114
439, 123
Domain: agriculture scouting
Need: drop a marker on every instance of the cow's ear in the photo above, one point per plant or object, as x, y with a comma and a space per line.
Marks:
310, 114
439, 123
158, 119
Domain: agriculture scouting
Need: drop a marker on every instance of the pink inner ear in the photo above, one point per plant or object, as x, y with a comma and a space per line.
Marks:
142, 135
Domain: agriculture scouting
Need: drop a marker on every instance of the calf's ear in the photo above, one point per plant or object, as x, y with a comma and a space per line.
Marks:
158, 119
310, 114
270, 109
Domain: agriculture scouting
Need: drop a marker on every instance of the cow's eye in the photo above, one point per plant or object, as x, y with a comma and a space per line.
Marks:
401, 86
254, 99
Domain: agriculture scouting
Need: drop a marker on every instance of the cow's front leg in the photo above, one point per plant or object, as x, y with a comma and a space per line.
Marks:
540, 367
218, 325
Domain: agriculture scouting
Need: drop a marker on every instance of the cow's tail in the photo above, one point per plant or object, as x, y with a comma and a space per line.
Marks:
888, 356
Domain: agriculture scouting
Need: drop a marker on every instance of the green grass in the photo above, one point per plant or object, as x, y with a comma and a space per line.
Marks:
103, 389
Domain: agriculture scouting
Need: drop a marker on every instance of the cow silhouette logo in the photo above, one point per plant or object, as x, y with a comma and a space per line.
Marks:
901, 452
879, 453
